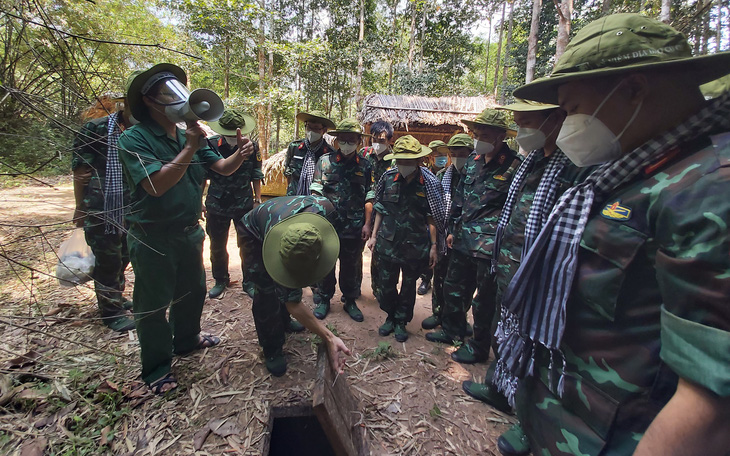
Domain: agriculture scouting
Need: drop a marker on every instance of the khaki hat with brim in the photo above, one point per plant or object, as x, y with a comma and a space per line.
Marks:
716, 88
407, 147
462, 140
623, 43
527, 106
300, 250
348, 126
316, 116
134, 90
230, 120
492, 118
438, 145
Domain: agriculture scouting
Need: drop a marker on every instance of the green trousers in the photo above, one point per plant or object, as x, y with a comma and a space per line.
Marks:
397, 304
111, 258
168, 273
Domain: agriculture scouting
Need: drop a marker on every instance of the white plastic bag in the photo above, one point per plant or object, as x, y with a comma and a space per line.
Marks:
75, 260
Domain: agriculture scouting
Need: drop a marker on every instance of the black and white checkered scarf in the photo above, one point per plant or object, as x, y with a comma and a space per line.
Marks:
534, 305
114, 185
542, 204
305, 178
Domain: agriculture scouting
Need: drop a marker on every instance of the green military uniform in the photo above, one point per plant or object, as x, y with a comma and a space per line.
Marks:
109, 248
379, 166
268, 317
229, 198
475, 212
295, 154
347, 184
165, 246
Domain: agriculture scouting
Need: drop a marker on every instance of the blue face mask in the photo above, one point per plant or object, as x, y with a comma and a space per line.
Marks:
441, 161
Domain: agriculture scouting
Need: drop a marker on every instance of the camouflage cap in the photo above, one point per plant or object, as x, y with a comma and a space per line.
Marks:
527, 106
461, 140
492, 118
230, 120
438, 144
348, 126
622, 43
407, 147
316, 116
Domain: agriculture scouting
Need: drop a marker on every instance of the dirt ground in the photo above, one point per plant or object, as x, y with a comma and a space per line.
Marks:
70, 386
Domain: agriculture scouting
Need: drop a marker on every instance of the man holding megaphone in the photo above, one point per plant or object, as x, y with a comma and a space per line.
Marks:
165, 167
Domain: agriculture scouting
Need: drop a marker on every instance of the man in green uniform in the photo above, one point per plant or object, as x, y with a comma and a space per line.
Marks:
230, 197
346, 180
458, 149
165, 167
289, 243
409, 215
477, 204
303, 154
627, 351
101, 200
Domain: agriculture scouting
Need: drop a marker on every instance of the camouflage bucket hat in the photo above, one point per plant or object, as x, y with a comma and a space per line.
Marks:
437, 146
527, 106
300, 250
137, 81
348, 126
461, 140
230, 120
492, 118
622, 43
316, 116
407, 147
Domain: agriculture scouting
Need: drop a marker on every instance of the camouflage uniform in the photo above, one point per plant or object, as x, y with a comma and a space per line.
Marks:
229, 198
477, 204
652, 283
295, 160
270, 321
110, 249
347, 184
379, 167
439, 271
402, 244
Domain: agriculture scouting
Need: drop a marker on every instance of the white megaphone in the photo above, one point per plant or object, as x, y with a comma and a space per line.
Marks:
202, 104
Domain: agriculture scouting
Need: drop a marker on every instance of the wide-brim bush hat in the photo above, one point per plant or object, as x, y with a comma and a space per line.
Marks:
348, 126
491, 117
407, 147
461, 140
438, 146
135, 85
624, 43
300, 250
520, 105
230, 120
316, 116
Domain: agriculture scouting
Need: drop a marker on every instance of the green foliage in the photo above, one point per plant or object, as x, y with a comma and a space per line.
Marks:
382, 352
435, 411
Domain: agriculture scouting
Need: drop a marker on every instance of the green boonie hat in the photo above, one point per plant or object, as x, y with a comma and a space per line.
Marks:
136, 82
230, 120
438, 144
527, 106
300, 250
316, 116
622, 43
462, 140
348, 126
492, 118
407, 147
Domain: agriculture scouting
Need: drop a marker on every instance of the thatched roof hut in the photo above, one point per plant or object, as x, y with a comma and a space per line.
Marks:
426, 118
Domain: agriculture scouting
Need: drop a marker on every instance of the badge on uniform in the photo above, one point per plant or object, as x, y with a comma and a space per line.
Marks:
421, 194
615, 211
359, 173
500, 177
258, 156
502, 158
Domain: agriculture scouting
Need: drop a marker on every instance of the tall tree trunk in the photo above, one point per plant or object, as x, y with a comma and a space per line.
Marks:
260, 108
532, 41
226, 70
412, 43
565, 12
269, 104
277, 146
395, 46
360, 44
706, 29
606, 7
489, 51
718, 27
507, 49
423, 38
499, 49
666, 12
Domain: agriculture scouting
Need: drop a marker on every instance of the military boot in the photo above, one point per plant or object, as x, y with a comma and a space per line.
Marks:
431, 322
218, 288
514, 442
353, 311
386, 328
275, 361
466, 354
401, 335
322, 309
487, 394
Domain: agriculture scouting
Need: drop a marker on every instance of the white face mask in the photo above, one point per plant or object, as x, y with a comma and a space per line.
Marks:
587, 141
231, 140
313, 136
530, 139
380, 148
348, 148
458, 162
406, 170
483, 147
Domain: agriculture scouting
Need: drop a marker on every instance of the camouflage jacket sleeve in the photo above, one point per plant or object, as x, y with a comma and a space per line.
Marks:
316, 187
89, 145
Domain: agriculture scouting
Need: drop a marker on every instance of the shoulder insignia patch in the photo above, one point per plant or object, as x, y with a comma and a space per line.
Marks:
258, 156
359, 173
301, 145
500, 177
615, 211
421, 194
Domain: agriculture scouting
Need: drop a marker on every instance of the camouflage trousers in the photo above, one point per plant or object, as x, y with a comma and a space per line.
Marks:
111, 259
437, 290
465, 275
350, 272
398, 305
217, 227
269, 309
